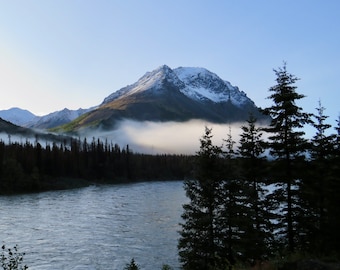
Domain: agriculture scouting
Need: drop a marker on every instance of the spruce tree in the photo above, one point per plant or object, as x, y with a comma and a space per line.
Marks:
231, 199
199, 244
316, 186
233, 222
252, 163
287, 146
333, 198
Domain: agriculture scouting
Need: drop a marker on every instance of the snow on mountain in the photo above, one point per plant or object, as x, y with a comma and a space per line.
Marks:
63, 114
25, 118
186, 91
194, 82
202, 84
150, 81
17, 116
56, 118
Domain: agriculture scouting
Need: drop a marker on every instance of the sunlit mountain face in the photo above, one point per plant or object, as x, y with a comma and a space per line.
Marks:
166, 94
164, 111
162, 95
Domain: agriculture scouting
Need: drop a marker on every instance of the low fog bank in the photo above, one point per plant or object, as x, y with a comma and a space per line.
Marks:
166, 137
44, 138
16, 138
148, 137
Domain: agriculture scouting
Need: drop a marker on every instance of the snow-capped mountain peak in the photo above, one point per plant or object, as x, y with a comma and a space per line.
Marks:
150, 81
194, 82
154, 79
202, 84
164, 94
190, 74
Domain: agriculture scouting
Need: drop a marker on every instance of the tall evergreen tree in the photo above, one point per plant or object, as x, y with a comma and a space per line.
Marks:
316, 186
199, 245
337, 135
333, 198
252, 162
231, 199
287, 145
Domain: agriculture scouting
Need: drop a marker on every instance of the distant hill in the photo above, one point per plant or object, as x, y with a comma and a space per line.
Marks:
11, 132
17, 116
56, 118
9, 128
25, 118
164, 94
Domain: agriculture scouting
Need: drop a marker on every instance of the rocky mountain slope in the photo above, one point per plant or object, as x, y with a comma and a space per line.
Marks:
166, 94
162, 95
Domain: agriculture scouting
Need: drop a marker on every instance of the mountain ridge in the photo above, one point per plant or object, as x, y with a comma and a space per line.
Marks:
17, 116
166, 94
9, 129
163, 94
25, 118
186, 79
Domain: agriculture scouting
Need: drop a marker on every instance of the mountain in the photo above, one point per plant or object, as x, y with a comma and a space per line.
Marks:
15, 133
9, 128
196, 83
55, 119
163, 94
25, 118
166, 94
17, 116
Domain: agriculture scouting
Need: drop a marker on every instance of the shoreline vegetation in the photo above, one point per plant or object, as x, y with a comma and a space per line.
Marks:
29, 167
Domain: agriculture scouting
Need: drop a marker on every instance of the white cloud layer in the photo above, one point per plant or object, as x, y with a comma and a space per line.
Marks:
154, 137
166, 137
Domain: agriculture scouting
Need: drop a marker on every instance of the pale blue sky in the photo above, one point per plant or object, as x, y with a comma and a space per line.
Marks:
73, 53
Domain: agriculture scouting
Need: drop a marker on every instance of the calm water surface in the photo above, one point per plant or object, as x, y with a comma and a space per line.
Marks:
98, 227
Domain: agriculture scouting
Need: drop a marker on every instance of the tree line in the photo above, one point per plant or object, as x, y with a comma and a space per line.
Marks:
265, 199
30, 167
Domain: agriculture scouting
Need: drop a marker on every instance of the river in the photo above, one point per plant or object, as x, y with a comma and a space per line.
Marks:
97, 227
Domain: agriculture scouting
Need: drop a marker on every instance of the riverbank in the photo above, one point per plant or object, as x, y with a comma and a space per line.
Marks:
65, 183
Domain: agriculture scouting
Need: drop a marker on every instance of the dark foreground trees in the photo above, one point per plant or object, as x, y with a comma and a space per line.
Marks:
200, 244
316, 184
12, 259
288, 146
321, 189
228, 218
259, 206
233, 217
